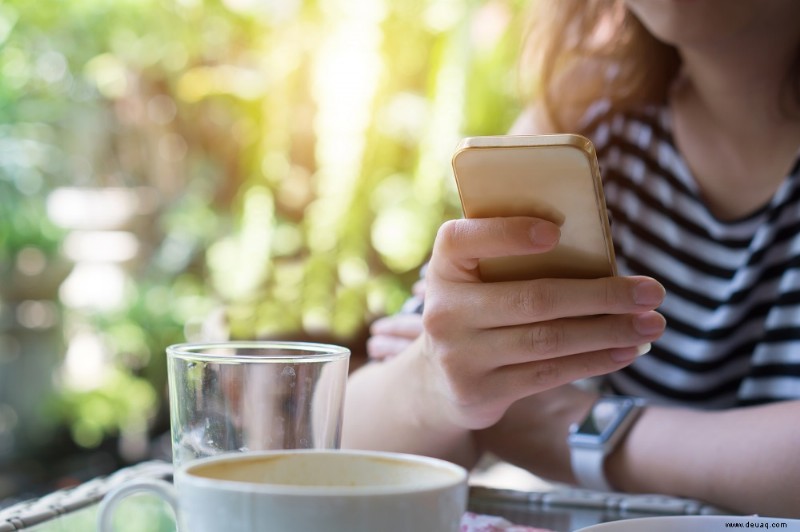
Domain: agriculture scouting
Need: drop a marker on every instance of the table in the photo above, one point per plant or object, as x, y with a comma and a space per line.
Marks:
561, 510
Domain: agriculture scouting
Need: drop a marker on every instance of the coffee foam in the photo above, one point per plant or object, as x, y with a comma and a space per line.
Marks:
327, 470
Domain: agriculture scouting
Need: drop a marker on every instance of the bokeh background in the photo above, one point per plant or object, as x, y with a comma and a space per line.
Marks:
186, 169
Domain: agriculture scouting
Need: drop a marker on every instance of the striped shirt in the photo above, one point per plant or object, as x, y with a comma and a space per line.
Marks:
733, 287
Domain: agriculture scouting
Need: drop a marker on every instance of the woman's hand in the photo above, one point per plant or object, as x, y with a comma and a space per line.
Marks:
488, 345
392, 335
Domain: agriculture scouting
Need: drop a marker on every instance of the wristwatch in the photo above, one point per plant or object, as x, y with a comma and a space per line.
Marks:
591, 440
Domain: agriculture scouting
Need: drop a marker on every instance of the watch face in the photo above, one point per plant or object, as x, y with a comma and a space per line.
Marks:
600, 418
602, 421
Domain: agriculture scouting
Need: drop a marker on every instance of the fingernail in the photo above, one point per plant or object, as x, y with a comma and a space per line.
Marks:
624, 354
648, 323
545, 234
648, 293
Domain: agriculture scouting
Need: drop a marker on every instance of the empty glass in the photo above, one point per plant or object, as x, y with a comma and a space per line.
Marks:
240, 396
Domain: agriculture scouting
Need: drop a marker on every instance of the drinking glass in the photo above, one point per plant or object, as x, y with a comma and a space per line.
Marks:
255, 396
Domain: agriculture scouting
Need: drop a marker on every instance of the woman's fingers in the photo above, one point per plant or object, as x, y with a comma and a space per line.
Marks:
487, 305
404, 325
479, 402
460, 243
454, 288
386, 347
392, 335
419, 289
561, 338
543, 348
490, 344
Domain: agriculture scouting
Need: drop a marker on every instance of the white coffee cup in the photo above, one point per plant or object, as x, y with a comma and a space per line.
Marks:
309, 490
694, 523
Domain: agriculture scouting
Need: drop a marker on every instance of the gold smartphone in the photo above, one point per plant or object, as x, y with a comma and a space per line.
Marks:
555, 177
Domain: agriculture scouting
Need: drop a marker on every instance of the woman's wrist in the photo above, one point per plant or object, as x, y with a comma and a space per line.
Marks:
645, 461
390, 406
598, 434
579, 405
533, 432
427, 410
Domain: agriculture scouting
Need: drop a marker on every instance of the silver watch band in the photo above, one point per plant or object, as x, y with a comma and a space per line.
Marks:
587, 466
600, 432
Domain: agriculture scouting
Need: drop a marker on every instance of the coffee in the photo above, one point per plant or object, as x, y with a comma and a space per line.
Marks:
342, 470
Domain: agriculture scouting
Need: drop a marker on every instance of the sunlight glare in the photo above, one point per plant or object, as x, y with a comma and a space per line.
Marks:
347, 71
86, 364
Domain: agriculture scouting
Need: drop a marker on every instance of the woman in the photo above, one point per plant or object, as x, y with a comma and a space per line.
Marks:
694, 108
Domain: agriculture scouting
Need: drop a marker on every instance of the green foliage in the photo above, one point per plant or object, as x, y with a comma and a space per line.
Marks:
122, 402
293, 158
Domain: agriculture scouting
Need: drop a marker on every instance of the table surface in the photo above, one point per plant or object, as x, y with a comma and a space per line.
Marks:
561, 510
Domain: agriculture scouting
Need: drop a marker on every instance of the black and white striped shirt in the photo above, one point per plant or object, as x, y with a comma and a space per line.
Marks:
733, 287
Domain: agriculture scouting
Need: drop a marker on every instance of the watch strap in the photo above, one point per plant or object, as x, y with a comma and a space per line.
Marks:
588, 460
587, 466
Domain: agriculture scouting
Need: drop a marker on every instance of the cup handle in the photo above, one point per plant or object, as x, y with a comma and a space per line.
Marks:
161, 488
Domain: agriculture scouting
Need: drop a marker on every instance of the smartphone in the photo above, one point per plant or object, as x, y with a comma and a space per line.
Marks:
554, 177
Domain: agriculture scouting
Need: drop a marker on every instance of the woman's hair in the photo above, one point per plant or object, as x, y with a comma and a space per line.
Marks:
580, 51
584, 50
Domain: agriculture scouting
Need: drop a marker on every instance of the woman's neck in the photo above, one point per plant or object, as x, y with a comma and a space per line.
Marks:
742, 88
735, 131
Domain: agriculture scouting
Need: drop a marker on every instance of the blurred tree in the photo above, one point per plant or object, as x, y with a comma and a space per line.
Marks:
283, 164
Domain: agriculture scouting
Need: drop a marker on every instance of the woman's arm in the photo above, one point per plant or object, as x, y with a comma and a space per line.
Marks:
743, 459
746, 460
